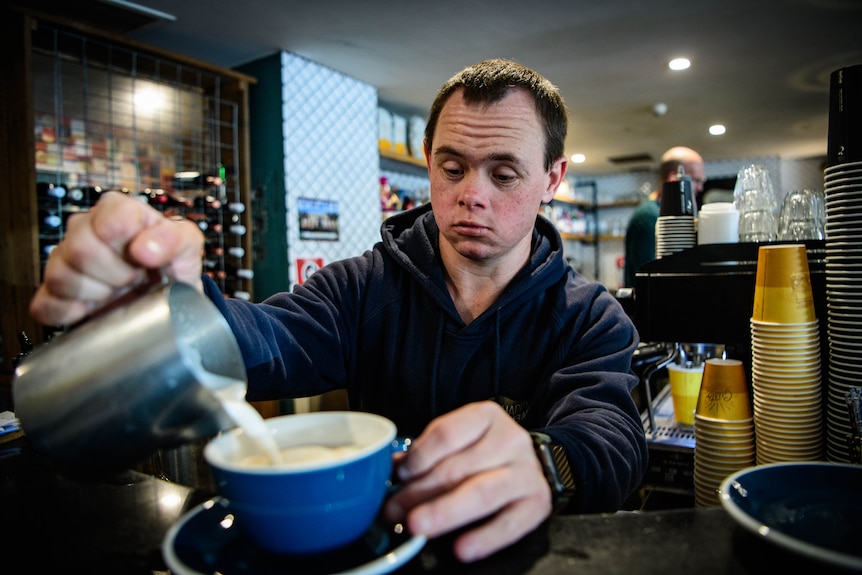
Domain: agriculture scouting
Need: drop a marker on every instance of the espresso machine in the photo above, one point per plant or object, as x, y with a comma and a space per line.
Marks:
689, 306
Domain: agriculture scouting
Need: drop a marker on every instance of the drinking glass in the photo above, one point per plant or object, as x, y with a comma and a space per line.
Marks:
754, 198
803, 216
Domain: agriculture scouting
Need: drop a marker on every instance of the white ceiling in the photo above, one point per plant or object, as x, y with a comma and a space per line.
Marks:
761, 67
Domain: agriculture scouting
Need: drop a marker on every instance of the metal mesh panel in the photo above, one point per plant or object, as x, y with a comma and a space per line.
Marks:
107, 117
330, 149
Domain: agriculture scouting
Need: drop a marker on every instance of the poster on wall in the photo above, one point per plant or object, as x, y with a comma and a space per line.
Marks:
305, 267
318, 219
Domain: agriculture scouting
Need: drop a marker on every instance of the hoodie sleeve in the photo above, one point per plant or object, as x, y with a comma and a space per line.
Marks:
590, 409
280, 365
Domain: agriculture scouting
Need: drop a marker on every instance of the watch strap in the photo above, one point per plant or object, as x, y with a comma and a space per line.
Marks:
555, 465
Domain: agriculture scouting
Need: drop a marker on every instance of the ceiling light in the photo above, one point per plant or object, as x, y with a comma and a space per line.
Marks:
717, 129
579, 158
679, 64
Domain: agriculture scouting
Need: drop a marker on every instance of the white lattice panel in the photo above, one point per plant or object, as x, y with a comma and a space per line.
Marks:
330, 150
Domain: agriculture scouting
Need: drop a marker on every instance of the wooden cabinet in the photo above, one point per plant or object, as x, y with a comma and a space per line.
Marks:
87, 109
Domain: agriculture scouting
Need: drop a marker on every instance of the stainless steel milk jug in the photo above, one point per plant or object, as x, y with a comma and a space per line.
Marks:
130, 380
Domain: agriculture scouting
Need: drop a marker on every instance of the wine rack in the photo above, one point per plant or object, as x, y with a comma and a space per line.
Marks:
89, 110
220, 221
110, 118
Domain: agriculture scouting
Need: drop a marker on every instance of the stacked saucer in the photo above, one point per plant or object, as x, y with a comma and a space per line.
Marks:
843, 192
674, 234
723, 428
786, 379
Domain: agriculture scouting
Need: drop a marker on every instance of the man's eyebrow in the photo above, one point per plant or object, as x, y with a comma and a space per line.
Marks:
500, 157
447, 150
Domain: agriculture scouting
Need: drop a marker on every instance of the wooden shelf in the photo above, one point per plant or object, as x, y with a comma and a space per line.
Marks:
573, 202
587, 238
588, 205
620, 204
590, 238
403, 158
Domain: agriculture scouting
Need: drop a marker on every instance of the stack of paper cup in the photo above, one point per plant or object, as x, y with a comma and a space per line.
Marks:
785, 349
723, 428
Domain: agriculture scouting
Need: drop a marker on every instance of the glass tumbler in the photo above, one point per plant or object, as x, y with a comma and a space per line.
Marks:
754, 198
803, 216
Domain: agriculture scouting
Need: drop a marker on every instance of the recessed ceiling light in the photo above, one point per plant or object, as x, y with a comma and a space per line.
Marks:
679, 64
579, 158
717, 129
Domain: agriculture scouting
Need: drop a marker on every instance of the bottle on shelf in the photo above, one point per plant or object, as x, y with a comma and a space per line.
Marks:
83, 196
49, 190
46, 246
240, 273
167, 202
207, 204
213, 250
50, 219
75, 196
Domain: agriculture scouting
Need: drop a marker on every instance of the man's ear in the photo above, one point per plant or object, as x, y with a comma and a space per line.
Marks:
555, 177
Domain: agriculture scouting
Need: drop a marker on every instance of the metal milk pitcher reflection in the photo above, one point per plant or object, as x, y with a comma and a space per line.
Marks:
109, 392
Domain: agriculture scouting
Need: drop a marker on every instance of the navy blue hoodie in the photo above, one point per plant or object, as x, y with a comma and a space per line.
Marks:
555, 349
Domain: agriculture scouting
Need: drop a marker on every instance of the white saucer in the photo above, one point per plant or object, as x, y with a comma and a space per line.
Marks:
202, 543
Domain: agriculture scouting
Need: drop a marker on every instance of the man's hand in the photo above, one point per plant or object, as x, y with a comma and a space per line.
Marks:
474, 463
113, 247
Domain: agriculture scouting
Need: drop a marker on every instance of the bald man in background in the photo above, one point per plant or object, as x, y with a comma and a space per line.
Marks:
640, 232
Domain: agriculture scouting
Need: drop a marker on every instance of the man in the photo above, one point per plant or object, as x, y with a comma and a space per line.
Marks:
464, 325
640, 232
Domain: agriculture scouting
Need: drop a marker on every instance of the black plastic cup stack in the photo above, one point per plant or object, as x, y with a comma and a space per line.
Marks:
843, 198
676, 224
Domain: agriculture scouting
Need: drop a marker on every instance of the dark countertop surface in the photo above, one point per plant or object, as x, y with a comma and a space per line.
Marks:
116, 525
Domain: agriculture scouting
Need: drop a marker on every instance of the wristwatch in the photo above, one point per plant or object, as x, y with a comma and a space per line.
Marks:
555, 464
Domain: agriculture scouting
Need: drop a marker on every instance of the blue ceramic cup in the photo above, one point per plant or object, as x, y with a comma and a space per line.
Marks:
327, 491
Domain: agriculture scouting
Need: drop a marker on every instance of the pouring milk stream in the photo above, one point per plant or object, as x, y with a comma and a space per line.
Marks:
230, 393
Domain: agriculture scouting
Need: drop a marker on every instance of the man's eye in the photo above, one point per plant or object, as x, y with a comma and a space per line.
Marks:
504, 178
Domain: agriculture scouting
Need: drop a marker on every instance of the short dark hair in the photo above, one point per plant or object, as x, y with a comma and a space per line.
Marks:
489, 81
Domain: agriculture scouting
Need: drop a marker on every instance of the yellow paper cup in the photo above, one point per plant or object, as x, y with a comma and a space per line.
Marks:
724, 391
782, 289
684, 390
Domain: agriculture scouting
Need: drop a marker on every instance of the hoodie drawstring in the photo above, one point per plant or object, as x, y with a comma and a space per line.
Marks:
497, 356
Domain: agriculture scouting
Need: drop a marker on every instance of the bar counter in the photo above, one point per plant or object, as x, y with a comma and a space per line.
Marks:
51, 524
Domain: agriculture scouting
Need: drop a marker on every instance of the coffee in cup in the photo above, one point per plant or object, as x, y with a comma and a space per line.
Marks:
325, 493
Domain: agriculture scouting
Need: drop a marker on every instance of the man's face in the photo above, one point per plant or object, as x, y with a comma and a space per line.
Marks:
487, 175
698, 176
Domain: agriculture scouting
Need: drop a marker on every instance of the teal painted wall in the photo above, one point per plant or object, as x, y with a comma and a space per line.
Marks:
266, 138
